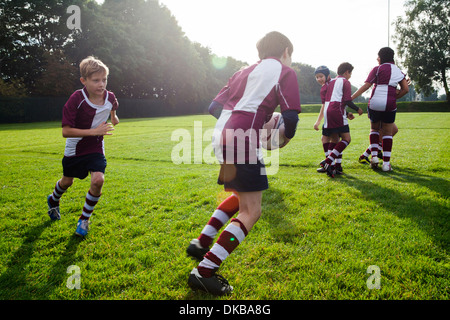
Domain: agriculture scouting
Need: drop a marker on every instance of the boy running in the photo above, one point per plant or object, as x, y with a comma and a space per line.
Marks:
335, 116
84, 125
252, 96
382, 104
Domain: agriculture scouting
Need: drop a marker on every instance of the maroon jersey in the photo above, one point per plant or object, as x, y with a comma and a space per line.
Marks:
79, 112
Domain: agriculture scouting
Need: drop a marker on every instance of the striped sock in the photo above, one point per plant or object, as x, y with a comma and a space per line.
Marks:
387, 148
56, 195
228, 240
224, 212
337, 151
374, 143
325, 149
89, 205
367, 152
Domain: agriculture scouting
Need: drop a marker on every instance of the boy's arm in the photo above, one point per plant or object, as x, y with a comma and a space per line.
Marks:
361, 90
404, 89
114, 118
290, 118
102, 130
354, 107
215, 109
319, 119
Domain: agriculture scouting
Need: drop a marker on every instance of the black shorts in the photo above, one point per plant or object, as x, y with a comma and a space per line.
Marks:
328, 131
383, 116
79, 167
243, 177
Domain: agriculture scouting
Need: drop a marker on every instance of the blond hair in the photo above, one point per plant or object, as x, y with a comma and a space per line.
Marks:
91, 65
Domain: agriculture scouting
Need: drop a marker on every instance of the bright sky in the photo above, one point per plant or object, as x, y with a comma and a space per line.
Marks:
323, 32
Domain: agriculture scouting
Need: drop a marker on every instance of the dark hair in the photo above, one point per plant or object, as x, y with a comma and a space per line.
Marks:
273, 44
386, 54
343, 67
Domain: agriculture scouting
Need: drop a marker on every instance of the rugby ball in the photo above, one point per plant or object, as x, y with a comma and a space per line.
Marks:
272, 133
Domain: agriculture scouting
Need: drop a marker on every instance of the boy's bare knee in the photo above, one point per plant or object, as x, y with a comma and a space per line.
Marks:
66, 182
97, 181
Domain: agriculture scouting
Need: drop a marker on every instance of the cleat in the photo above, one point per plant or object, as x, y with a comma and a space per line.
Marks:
331, 171
364, 160
195, 250
328, 168
339, 169
215, 285
82, 227
386, 167
53, 212
321, 170
374, 162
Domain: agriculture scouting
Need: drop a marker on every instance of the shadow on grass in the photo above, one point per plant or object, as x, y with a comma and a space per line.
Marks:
15, 277
428, 214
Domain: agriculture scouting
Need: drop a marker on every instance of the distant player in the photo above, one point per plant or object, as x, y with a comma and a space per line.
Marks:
335, 116
322, 75
382, 106
84, 125
248, 100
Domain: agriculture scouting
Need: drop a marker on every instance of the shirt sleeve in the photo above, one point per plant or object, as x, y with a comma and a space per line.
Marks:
70, 109
113, 100
347, 91
288, 92
372, 77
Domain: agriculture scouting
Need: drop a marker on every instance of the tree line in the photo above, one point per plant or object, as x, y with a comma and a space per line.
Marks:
147, 52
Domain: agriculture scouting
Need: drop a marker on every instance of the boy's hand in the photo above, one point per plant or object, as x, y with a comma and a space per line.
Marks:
350, 116
316, 126
360, 111
104, 129
115, 120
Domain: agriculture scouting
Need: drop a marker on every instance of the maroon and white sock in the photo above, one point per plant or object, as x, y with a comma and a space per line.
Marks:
368, 152
228, 240
89, 205
374, 143
331, 146
325, 149
387, 149
56, 195
337, 151
224, 212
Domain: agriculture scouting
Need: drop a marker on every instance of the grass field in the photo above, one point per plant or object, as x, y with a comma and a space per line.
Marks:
315, 240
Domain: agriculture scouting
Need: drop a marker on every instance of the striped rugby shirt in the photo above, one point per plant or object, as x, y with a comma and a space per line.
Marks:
386, 78
338, 92
79, 112
249, 100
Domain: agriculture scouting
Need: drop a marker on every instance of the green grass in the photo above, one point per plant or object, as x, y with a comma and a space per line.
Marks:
315, 240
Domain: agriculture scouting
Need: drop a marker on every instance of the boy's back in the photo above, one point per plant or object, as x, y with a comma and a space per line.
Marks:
255, 92
338, 91
386, 78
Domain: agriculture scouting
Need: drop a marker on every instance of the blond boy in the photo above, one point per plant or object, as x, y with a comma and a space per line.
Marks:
84, 123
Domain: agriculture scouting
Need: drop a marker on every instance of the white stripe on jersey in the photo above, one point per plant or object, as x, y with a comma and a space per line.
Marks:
260, 82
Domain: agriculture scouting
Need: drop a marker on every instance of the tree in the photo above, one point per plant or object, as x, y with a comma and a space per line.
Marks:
28, 29
423, 43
